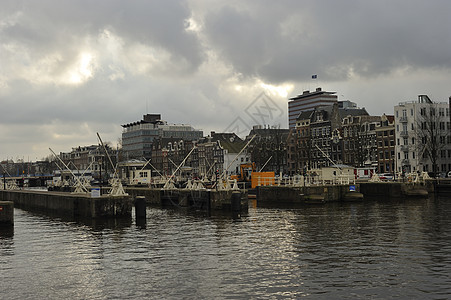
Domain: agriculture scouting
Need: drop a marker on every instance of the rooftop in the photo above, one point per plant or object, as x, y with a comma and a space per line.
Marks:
308, 94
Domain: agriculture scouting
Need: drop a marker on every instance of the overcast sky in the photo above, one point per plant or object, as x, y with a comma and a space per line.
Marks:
71, 68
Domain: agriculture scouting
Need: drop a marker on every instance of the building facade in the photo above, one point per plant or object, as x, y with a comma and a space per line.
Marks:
423, 140
219, 153
269, 149
138, 137
319, 140
308, 101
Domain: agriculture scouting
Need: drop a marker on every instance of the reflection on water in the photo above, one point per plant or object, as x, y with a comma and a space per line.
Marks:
377, 250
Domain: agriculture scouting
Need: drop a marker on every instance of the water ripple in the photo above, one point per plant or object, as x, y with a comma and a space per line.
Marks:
347, 251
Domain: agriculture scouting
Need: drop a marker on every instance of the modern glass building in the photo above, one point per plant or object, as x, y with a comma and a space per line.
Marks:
137, 137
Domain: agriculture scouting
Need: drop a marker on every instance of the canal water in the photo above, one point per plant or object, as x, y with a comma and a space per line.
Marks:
372, 250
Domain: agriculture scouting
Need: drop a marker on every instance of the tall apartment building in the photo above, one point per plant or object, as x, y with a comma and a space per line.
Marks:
308, 101
138, 137
423, 139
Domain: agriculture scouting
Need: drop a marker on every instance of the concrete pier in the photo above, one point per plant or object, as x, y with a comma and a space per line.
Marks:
274, 195
76, 205
6, 213
386, 190
206, 200
302, 195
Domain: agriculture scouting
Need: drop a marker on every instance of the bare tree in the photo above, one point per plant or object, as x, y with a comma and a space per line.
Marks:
432, 134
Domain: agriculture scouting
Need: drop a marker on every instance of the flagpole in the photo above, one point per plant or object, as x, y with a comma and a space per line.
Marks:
314, 78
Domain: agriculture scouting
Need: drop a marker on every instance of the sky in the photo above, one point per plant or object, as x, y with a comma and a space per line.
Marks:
70, 69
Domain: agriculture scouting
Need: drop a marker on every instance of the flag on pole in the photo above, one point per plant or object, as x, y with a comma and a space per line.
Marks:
314, 76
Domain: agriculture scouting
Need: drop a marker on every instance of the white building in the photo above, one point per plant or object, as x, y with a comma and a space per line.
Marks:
414, 138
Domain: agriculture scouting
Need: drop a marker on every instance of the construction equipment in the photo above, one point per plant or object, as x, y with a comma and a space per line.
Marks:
246, 171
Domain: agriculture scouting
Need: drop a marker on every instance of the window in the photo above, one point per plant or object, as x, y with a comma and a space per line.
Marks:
411, 111
413, 155
406, 155
413, 141
404, 113
404, 127
441, 112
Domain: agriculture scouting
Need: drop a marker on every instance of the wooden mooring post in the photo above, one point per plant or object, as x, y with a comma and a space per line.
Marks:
6, 213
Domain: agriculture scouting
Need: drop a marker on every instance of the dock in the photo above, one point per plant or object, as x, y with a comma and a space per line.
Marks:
68, 204
209, 200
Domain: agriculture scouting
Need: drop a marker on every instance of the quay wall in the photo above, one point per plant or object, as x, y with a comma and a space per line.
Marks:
298, 195
217, 200
69, 204
395, 189
152, 195
379, 190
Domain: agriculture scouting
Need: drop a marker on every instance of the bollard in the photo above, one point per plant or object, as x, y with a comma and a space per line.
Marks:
140, 207
236, 202
6, 213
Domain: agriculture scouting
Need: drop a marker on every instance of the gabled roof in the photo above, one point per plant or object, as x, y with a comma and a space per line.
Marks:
229, 141
305, 115
352, 112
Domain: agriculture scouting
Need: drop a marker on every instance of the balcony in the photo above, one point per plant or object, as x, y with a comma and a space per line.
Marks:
403, 119
405, 148
404, 133
405, 162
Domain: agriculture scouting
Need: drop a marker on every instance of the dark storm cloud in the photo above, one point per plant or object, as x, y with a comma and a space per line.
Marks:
332, 38
62, 24
69, 68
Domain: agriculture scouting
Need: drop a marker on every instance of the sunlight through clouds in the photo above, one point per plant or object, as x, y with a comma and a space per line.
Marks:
83, 69
204, 62
282, 90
